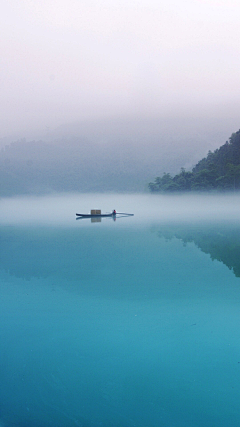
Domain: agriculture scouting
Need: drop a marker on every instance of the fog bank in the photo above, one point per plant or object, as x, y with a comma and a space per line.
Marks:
60, 210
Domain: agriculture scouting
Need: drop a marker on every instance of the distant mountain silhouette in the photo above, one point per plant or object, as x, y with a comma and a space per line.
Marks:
104, 155
74, 164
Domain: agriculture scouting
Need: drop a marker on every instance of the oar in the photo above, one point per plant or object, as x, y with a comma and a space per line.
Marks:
124, 213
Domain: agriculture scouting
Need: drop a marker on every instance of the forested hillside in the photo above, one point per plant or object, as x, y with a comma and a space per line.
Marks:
220, 170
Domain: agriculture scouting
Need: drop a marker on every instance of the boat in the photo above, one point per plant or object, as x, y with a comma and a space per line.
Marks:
95, 213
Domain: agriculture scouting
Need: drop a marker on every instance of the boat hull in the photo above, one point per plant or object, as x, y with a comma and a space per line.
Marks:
95, 215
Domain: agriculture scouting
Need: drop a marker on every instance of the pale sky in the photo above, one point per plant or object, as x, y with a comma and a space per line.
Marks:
70, 60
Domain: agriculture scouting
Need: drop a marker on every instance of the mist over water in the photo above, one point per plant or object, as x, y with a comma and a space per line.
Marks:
60, 209
133, 322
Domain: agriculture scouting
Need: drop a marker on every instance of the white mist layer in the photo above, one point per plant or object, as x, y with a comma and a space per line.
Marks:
62, 209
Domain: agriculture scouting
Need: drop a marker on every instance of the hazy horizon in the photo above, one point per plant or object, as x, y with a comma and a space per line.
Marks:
125, 90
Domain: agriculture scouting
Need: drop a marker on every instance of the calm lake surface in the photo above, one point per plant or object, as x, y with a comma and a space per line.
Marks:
133, 322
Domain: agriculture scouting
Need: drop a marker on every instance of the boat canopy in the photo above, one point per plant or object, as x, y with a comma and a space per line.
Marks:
96, 212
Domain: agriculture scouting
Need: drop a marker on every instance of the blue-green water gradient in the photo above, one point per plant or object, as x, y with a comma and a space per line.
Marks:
116, 324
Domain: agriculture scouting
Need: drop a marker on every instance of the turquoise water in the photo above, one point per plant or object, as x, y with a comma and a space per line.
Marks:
125, 323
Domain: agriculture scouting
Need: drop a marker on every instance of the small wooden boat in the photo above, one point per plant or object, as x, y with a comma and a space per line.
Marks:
96, 213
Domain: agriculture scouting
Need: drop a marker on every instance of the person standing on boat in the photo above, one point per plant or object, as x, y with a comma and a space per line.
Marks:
114, 212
